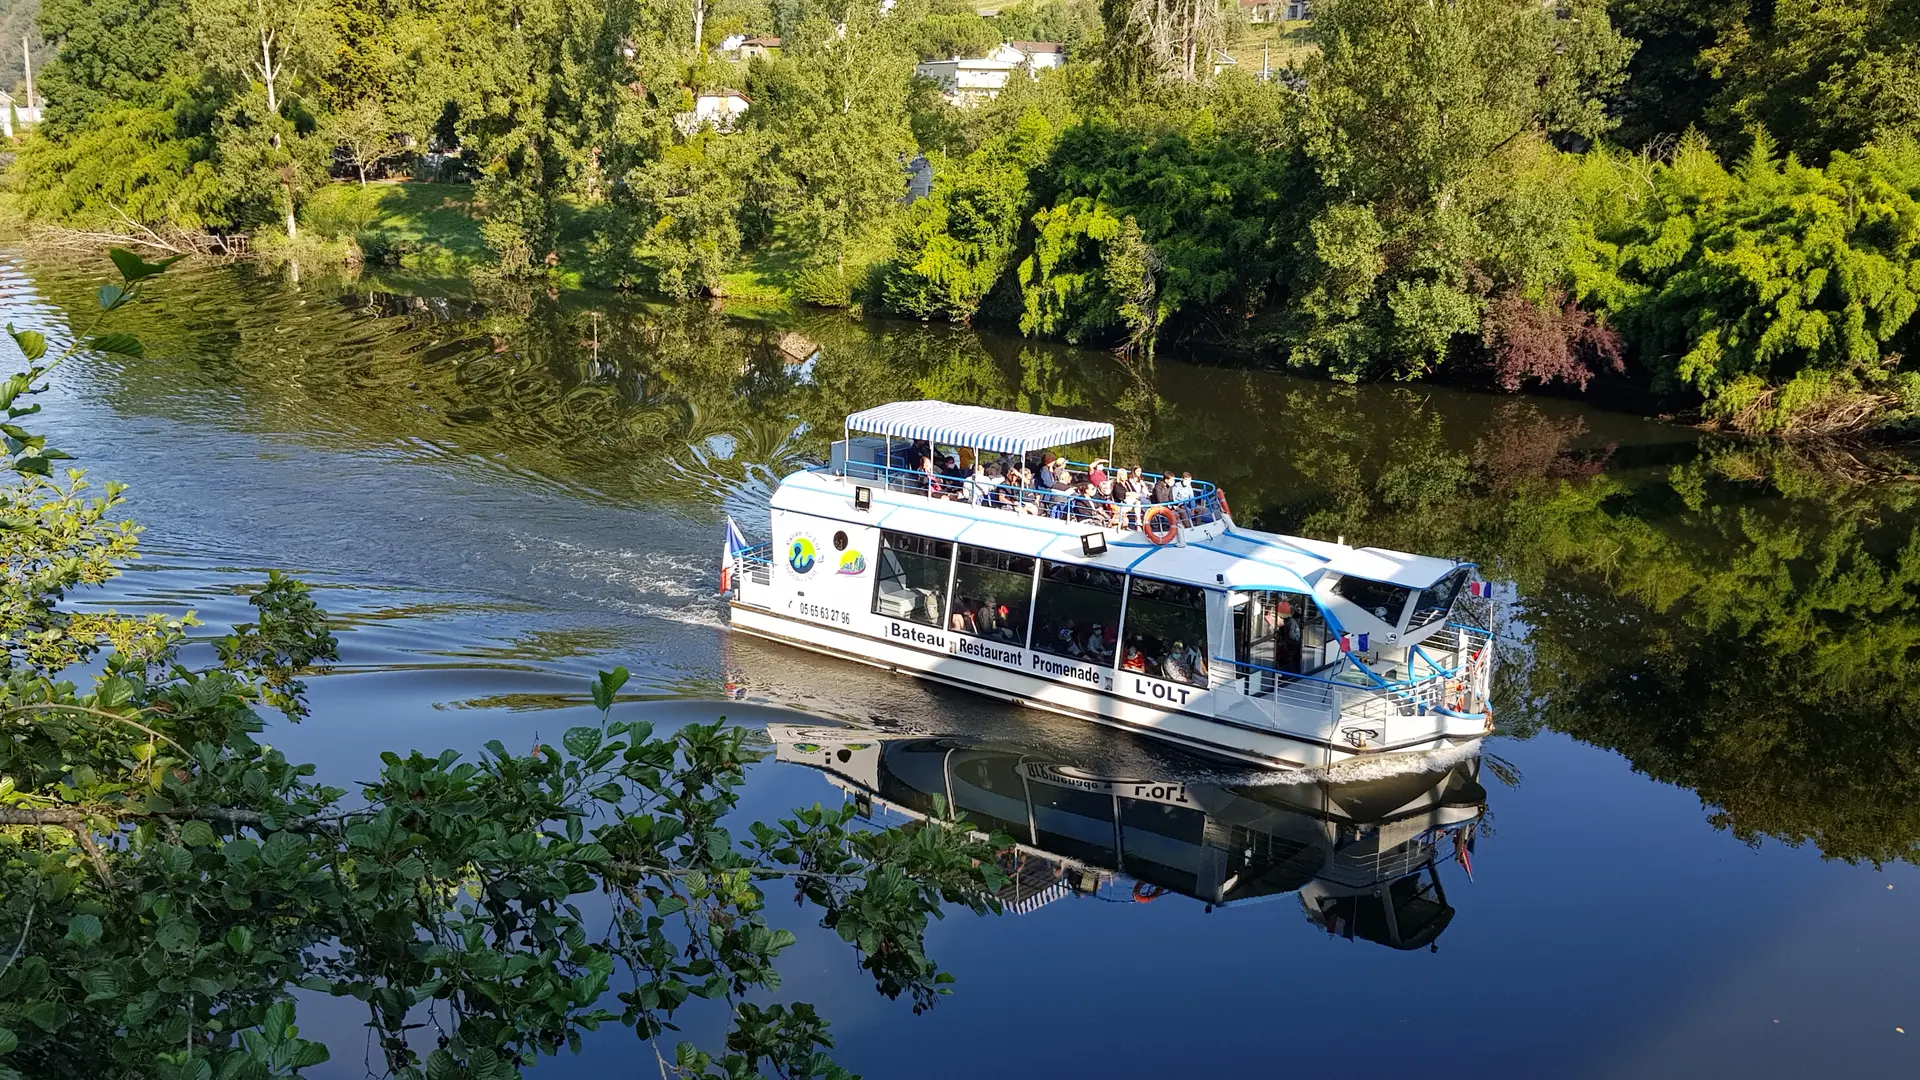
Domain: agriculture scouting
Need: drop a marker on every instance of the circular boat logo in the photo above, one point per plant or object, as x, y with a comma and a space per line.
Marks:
853, 564
802, 556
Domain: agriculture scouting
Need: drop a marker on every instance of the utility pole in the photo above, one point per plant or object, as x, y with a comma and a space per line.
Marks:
26, 55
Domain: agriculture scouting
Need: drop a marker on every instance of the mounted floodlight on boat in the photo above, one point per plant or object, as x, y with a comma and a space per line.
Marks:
863, 498
1093, 545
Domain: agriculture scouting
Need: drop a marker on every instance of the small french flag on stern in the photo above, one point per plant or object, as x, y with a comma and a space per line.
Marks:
736, 544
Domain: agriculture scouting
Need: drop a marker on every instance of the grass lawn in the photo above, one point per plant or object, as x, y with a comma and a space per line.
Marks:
1284, 42
433, 227
763, 276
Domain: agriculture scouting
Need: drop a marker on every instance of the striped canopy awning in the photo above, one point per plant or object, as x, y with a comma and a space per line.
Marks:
947, 424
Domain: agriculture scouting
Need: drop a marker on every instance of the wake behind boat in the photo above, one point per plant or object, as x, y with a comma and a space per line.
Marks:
1134, 602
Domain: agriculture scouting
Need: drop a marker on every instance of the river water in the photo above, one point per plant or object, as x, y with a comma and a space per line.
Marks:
1688, 852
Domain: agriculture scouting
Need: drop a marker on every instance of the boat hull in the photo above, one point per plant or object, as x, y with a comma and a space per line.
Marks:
1209, 735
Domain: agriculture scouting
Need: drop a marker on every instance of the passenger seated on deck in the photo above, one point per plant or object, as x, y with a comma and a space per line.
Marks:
1163, 490
1097, 646
929, 479
979, 483
1135, 661
1174, 668
1069, 639
952, 477
1196, 667
1002, 628
1081, 507
1058, 478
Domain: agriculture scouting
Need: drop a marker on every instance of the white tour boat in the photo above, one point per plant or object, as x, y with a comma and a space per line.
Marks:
1160, 617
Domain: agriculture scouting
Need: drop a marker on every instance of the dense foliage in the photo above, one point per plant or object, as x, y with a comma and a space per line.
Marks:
1490, 190
167, 882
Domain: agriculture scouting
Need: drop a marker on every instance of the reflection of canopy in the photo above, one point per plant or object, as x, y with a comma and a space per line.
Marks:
972, 426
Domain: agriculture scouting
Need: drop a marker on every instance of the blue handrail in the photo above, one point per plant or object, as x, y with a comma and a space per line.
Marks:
1049, 502
1382, 684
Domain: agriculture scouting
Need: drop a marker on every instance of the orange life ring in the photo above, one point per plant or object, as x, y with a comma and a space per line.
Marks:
1225, 510
1144, 893
1164, 515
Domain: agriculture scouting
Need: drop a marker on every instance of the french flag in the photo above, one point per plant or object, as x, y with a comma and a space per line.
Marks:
736, 544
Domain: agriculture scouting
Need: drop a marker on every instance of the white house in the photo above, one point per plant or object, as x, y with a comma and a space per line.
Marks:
11, 110
968, 81
1266, 11
718, 109
746, 48
1035, 55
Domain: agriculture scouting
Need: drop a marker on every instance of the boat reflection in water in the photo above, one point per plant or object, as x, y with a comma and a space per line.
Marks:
1363, 856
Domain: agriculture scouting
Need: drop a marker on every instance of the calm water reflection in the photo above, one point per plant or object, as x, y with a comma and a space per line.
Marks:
1690, 848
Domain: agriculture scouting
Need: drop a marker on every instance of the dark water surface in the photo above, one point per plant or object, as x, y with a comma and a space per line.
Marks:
1691, 846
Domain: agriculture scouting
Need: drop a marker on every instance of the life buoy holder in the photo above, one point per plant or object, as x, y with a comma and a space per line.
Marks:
1163, 515
1144, 893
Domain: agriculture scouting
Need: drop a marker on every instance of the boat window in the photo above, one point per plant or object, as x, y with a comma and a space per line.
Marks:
1383, 601
991, 590
1167, 624
1437, 599
912, 582
1281, 631
1073, 601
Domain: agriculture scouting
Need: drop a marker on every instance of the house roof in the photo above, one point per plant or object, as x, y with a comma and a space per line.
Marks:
765, 42
1031, 47
723, 94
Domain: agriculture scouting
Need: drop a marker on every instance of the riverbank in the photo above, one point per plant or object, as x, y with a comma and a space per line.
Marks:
436, 230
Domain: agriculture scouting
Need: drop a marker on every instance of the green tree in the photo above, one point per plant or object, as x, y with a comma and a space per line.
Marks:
1819, 75
1420, 121
1669, 88
834, 106
270, 51
960, 241
110, 55
693, 193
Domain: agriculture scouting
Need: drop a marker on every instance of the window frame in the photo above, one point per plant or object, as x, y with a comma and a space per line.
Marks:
886, 546
953, 590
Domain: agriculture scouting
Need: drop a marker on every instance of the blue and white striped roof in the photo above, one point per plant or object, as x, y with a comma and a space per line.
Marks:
947, 424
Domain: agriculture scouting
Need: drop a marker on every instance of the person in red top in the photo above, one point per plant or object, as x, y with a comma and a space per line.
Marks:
1134, 661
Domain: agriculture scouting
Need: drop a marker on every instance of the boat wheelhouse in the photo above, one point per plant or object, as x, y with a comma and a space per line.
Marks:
1363, 857
1158, 614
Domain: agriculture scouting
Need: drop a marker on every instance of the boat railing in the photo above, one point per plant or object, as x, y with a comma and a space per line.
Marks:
756, 564
1204, 507
1448, 675
1366, 863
